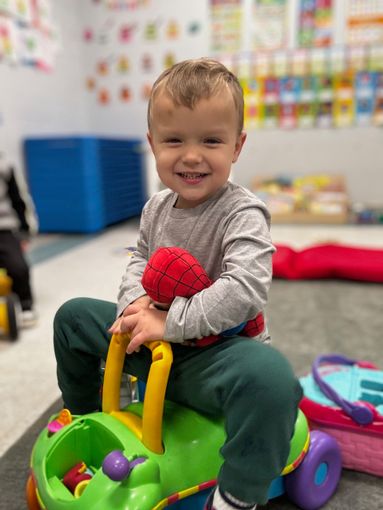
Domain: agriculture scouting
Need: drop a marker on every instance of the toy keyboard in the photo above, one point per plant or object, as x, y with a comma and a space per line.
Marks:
344, 398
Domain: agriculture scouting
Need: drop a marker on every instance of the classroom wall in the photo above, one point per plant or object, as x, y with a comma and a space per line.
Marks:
35, 103
356, 153
130, 118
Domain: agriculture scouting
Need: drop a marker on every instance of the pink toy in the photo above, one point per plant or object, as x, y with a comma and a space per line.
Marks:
344, 398
64, 418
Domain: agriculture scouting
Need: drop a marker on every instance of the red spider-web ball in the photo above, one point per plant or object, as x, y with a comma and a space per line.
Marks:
172, 272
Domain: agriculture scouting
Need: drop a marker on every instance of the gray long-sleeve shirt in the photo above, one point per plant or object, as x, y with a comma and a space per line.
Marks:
229, 235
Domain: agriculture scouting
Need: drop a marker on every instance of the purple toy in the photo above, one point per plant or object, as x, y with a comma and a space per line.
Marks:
117, 467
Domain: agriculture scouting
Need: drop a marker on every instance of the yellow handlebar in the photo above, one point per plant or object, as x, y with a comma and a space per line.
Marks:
148, 428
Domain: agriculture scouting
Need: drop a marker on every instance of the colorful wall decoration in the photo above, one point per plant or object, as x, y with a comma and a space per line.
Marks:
293, 74
124, 4
312, 96
316, 18
270, 24
364, 23
226, 24
28, 35
307, 84
128, 43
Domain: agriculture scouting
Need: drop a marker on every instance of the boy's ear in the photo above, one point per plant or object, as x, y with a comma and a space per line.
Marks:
238, 146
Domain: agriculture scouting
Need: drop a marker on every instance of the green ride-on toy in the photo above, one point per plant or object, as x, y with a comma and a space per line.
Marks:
157, 454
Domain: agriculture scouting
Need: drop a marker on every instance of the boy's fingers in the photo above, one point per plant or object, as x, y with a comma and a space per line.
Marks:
114, 328
126, 325
134, 345
130, 310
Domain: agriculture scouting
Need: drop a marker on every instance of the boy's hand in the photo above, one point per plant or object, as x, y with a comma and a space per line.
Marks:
141, 302
144, 324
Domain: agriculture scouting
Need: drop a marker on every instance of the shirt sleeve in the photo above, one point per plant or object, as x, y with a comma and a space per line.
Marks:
131, 287
22, 205
241, 290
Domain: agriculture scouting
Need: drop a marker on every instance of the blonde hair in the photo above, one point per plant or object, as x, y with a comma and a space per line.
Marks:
191, 80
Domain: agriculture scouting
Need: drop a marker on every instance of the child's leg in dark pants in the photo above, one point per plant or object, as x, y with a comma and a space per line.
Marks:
254, 388
81, 341
13, 260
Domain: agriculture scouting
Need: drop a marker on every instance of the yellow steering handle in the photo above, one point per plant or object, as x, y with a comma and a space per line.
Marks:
148, 428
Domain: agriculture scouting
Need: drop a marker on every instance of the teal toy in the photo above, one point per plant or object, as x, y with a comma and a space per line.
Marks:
156, 454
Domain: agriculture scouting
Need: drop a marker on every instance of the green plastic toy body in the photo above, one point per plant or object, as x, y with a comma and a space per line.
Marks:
187, 437
130, 468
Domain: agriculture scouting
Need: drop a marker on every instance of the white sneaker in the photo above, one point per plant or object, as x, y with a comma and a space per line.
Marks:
28, 319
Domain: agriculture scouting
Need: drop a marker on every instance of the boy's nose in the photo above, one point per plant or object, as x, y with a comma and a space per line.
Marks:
191, 156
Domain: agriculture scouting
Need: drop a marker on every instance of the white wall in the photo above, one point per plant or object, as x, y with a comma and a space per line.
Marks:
130, 119
35, 103
356, 153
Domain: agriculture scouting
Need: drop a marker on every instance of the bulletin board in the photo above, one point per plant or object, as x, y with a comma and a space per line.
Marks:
28, 35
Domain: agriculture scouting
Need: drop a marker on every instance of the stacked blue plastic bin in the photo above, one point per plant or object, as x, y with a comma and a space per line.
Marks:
83, 184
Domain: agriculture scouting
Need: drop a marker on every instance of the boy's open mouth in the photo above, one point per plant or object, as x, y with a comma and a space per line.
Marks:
191, 177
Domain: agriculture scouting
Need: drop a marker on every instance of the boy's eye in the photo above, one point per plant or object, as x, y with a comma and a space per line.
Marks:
212, 141
172, 141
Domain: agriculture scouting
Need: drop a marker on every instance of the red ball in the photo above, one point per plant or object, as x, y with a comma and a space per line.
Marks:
171, 272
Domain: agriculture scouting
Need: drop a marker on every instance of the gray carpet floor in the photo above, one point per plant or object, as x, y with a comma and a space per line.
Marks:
307, 318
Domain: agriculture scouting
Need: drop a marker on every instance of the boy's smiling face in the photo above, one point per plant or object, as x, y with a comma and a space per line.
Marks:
195, 148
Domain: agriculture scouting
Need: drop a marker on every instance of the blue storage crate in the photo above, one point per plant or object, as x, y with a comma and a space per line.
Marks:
83, 183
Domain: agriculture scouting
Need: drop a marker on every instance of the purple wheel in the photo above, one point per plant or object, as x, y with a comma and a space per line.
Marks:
313, 483
116, 466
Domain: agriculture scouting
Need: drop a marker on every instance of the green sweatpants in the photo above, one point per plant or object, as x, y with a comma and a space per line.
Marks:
251, 384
